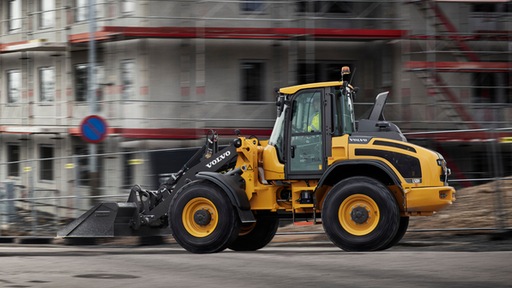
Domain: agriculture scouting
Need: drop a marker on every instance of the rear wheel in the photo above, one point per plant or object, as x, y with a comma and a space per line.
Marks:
404, 223
256, 235
360, 214
202, 218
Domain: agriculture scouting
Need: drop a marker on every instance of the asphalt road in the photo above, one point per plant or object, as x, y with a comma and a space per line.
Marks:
451, 262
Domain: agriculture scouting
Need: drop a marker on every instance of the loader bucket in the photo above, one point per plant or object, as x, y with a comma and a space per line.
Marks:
110, 219
103, 220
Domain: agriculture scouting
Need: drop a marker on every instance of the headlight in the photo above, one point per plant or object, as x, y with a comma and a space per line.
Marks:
444, 170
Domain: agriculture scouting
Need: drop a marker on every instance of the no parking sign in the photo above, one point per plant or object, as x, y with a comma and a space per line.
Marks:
93, 129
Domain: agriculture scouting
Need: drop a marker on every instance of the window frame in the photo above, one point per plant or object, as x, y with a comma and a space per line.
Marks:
125, 8
259, 8
260, 86
10, 99
13, 169
491, 83
43, 163
81, 154
317, 5
41, 84
128, 169
81, 165
12, 20
97, 68
75, 78
50, 12
81, 9
128, 94
324, 70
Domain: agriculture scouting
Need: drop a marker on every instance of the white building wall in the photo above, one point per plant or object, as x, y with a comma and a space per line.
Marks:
168, 73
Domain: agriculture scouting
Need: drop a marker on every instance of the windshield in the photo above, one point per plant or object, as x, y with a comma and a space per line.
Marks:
345, 108
348, 116
276, 139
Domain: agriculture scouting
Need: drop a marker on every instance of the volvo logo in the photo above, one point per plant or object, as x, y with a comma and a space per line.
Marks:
359, 140
218, 159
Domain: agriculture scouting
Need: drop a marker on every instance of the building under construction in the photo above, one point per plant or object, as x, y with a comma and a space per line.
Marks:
167, 71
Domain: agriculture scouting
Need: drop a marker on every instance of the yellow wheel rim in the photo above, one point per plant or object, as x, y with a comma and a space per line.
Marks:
195, 217
246, 229
359, 214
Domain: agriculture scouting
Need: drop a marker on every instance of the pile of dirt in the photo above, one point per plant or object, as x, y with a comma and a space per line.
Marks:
484, 206
27, 223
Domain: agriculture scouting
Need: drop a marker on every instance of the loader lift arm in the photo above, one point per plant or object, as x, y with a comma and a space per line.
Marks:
145, 212
150, 212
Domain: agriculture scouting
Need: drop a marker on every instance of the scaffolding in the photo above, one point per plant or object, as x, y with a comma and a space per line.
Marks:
456, 62
447, 64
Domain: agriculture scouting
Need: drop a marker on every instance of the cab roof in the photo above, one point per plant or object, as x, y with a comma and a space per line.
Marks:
294, 89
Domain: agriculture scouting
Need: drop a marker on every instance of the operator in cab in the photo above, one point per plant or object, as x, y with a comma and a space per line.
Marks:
314, 126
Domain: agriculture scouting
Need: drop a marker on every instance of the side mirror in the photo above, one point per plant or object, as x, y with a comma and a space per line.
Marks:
356, 89
280, 105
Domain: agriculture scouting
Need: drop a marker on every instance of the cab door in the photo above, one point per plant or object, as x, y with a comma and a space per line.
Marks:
307, 131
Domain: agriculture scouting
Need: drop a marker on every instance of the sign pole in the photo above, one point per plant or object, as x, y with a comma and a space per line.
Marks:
93, 171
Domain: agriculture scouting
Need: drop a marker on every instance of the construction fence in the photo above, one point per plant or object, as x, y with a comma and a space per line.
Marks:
27, 211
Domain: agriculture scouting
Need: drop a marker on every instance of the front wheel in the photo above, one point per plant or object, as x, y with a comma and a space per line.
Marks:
402, 228
202, 218
256, 235
360, 214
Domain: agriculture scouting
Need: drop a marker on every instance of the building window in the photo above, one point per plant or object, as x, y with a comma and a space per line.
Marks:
128, 170
319, 71
252, 5
253, 80
127, 6
322, 7
128, 79
13, 86
47, 84
82, 10
484, 7
81, 81
387, 66
14, 16
99, 73
47, 16
13, 155
82, 169
491, 87
46, 170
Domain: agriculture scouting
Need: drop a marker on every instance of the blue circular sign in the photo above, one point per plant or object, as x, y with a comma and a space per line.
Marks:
93, 129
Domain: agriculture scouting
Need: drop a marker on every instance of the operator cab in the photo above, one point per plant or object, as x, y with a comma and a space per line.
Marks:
309, 116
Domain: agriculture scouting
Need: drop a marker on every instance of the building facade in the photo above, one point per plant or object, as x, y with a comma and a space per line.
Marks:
167, 71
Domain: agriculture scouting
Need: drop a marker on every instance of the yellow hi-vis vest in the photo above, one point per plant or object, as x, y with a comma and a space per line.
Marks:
315, 124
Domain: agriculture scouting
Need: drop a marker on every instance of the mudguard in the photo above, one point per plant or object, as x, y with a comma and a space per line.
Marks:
330, 176
231, 183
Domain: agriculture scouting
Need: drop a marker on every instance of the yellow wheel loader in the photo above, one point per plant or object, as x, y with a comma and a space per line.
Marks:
361, 184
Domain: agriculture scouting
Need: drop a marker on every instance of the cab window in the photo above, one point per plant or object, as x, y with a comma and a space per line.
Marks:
306, 132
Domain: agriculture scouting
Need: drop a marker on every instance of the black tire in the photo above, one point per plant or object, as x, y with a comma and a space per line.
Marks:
402, 228
206, 203
255, 236
345, 208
